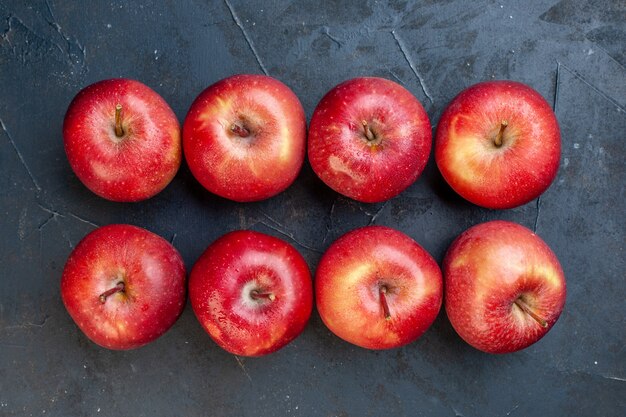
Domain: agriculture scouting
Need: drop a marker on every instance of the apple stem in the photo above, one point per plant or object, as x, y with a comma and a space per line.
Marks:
526, 309
383, 300
257, 294
119, 130
118, 287
368, 132
239, 130
498, 140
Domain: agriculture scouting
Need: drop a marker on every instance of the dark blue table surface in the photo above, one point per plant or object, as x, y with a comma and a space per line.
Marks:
571, 51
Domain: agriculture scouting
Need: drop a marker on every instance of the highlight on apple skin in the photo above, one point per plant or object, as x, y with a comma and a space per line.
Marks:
122, 140
244, 137
377, 288
124, 286
498, 144
251, 292
369, 139
504, 287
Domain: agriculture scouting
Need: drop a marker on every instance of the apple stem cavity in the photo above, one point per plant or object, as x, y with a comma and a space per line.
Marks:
369, 135
383, 300
526, 309
119, 130
498, 140
118, 288
258, 295
239, 130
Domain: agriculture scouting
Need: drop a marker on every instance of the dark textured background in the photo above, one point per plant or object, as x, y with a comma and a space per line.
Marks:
571, 51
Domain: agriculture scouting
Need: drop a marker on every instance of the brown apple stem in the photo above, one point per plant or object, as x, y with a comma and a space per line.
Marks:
368, 132
383, 300
118, 287
256, 295
526, 309
498, 140
239, 130
119, 130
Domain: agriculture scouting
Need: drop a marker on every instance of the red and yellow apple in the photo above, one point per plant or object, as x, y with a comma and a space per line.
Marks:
377, 288
504, 287
498, 144
244, 137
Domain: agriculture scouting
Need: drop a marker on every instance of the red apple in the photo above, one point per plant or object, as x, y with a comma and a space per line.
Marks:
251, 292
244, 137
369, 139
377, 288
504, 287
122, 140
498, 144
124, 286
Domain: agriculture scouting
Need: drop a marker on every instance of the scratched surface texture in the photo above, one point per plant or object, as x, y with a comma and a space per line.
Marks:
571, 51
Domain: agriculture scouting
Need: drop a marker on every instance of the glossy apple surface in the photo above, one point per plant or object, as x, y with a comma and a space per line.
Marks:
377, 288
251, 292
244, 137
123, 286
498, 144
122, 140
504, 287
369, 139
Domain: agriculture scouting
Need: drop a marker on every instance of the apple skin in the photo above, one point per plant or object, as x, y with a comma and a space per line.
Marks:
221, 287
250, 168
351, 274
510, 175
130, 168
153, 297
376, 169
486, 269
